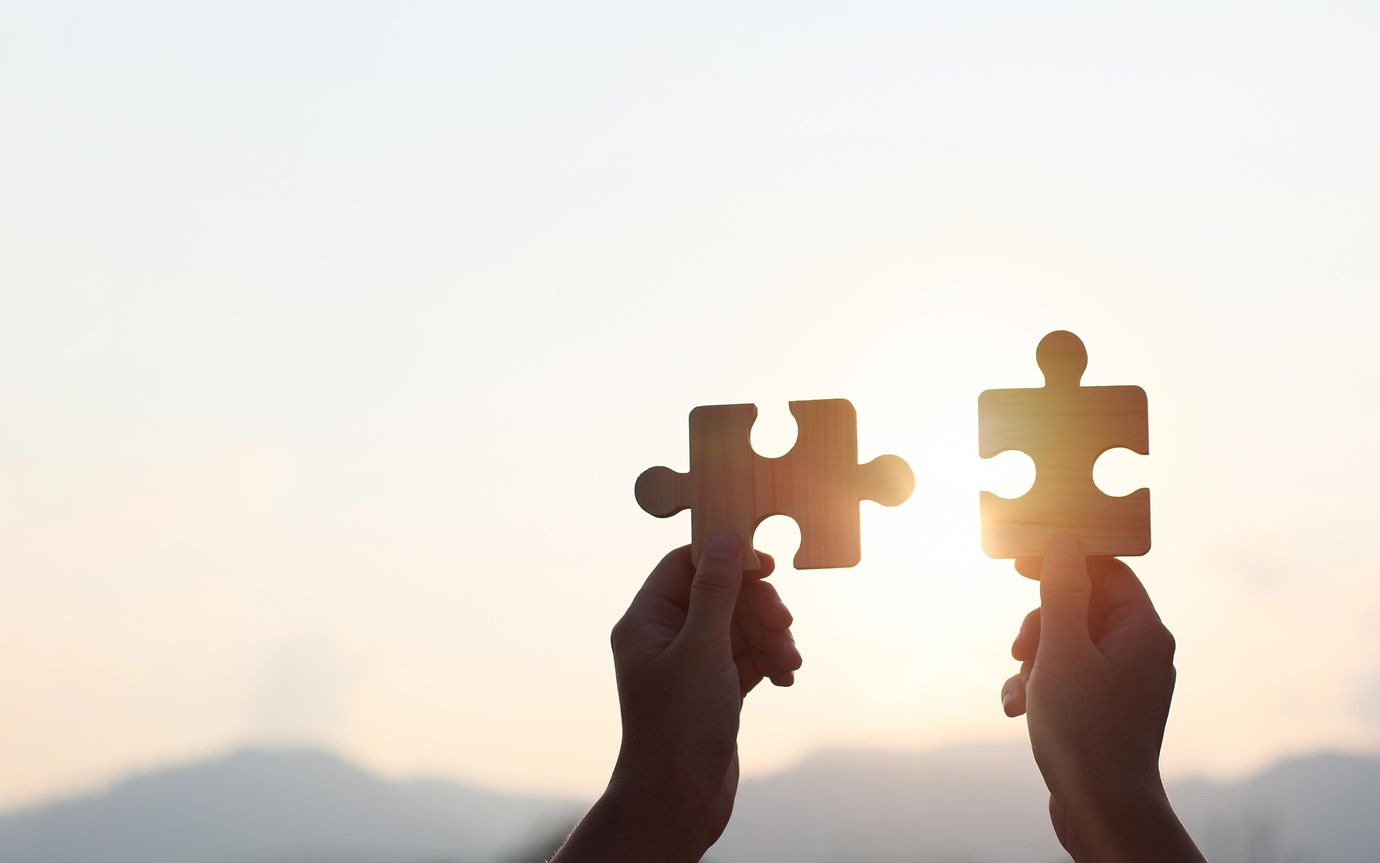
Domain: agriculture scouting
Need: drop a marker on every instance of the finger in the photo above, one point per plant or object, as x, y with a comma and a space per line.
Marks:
1028, 639
761, 662
754, 666
779, 644
766, 661
747, 681
1065, 592
1013, 693
663, 598
766, 564
1013, 696
1102, 601
669, 580
1125, 618
749, 675
761, 600
777, 676
737, 642
1118, 592
714, 592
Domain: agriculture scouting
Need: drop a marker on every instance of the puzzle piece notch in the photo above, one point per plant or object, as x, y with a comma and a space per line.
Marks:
818, 483
1064, 428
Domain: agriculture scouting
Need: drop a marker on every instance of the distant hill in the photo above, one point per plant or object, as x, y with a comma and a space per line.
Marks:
970, 804
1322, 808
988, 803
278, 806
965, 803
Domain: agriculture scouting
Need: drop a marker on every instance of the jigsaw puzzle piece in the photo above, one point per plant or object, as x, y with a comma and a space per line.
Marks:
1113, 527
723, 471
826, 483
819, 483
1064, 427
815, 484
721, 489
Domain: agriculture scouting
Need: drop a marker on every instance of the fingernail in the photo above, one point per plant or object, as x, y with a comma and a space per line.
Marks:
1005, 697
724, 546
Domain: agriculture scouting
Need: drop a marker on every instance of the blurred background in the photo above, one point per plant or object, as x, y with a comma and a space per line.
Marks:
335, 333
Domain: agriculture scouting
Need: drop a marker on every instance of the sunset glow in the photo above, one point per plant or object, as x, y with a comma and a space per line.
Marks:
326, 379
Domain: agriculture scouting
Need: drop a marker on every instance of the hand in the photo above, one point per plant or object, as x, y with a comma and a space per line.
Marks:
1096, 679
687, 651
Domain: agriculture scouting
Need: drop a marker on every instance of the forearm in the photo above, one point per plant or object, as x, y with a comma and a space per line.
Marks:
628, 826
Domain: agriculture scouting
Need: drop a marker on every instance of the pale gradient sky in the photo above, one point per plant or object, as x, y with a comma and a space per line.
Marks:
334, 335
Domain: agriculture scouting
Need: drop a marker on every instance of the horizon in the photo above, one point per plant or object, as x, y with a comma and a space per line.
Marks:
854, 756
336, 336
985, 802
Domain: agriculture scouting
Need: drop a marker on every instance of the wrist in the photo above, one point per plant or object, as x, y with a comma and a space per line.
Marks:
651, 820
651, 780
626, 826
1129, 824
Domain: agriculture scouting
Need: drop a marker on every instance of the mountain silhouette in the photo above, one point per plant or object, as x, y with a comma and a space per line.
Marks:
968, 803
277, 806
961, 803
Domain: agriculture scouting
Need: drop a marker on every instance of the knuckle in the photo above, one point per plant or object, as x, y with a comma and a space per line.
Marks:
620, 634
1165, 644
711, 585
1063, 592
1159, 646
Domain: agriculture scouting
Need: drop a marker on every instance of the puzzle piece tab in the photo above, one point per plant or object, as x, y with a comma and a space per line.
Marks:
818, 483
1064, 427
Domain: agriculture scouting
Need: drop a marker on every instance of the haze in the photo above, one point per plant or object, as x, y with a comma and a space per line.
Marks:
334, 335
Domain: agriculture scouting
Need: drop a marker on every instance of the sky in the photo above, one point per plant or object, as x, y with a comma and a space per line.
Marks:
335, 334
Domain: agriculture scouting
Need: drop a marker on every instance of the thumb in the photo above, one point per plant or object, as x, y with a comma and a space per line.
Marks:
714, 591
1065, 591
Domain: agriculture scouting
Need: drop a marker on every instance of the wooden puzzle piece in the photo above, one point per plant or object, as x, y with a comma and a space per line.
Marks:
1064, 427
819, 483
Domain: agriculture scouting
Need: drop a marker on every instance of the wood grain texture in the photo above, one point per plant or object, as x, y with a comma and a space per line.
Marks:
1064, 427
819, 483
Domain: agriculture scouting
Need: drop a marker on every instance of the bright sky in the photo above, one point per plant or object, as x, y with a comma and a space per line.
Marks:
334, 335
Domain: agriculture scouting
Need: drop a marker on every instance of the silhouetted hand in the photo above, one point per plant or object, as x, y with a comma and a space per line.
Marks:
686, 652
1096, 679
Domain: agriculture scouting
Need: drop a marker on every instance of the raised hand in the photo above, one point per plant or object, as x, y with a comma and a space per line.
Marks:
1096, 679
690, 647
